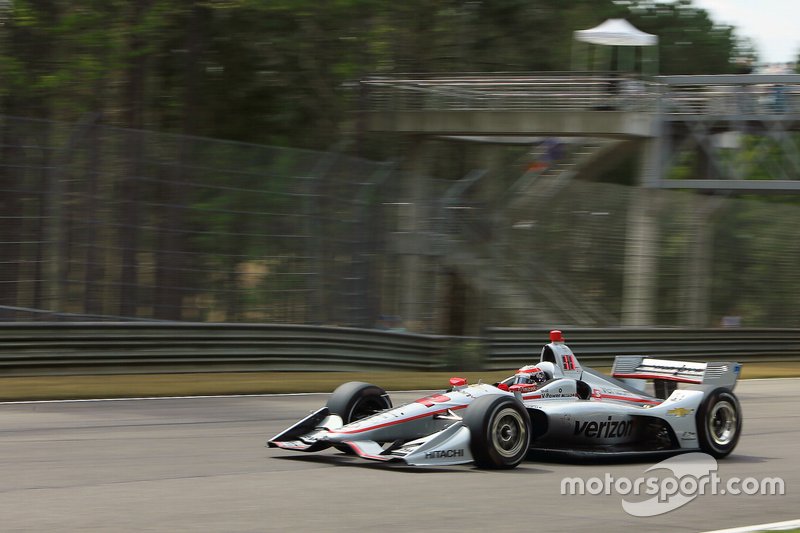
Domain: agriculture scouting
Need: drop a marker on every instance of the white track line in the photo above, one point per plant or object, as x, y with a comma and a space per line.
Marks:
769, 379
89, 400
212, 396
774, 526
274, 395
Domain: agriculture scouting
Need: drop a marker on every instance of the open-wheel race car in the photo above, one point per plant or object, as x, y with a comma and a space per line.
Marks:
553, 405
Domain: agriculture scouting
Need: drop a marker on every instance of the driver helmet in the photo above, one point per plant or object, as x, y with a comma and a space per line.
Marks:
530, 375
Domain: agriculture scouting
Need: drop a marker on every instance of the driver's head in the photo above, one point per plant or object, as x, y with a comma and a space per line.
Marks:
530, 376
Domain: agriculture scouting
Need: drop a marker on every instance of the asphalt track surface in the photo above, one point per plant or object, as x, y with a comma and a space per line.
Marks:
200, 464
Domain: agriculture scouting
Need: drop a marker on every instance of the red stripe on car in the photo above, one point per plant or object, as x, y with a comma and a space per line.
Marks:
657, 376
365, 455
399, 421
628, 399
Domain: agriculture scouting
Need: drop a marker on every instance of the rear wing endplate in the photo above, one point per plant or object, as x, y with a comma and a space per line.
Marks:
721, 374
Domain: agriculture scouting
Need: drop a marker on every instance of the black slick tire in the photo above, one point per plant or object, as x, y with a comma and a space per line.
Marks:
719, 423
355, 400
500, 431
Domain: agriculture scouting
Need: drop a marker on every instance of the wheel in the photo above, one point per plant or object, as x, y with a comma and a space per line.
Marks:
500, 431
356, 400
719, 423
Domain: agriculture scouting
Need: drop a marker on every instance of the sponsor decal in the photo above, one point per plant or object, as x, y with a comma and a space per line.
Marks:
607, 429
621, 394
559, 394
545, 394
611, 391
688, 435
523, 388
441, 454
680, 412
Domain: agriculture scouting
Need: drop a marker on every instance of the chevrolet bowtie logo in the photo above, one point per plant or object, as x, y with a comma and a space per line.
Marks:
680, 411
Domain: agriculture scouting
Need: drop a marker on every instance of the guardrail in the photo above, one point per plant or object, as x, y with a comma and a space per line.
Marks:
514, 347
37, 348
127, 348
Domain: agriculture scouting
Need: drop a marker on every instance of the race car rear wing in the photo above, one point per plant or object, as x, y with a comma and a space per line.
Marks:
667, 373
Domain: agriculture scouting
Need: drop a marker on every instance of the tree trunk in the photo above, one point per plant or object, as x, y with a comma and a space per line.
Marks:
10, 207
133, 117
172, 281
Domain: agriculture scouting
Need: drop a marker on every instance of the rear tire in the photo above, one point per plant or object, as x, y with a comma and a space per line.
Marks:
500, 431
356, 400
719, 423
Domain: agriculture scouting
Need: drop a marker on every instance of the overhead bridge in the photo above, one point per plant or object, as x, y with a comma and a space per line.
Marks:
509, 105
730, 134
676, 113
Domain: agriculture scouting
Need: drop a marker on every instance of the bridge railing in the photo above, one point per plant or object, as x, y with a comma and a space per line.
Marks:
732, 95
674, 95
509, 93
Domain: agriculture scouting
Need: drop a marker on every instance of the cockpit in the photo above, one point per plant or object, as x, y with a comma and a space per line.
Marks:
530, 376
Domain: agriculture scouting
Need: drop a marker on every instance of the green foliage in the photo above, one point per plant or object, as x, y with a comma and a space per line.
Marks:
756, 252
282, 72
689, 41
465, 355
276, 72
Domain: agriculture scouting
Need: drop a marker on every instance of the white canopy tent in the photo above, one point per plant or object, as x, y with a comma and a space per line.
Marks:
616, 32
621, 36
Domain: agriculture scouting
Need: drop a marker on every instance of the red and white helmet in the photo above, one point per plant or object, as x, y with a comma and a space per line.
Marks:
530, 375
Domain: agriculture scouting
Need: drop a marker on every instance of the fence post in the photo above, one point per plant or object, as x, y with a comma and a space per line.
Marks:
56, 273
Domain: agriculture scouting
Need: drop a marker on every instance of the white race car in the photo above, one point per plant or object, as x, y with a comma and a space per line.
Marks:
553, 406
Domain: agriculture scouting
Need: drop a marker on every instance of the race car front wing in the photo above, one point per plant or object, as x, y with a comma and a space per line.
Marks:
318, 431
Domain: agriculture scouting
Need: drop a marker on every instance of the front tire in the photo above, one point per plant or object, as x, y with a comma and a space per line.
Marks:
356, 400
500, 431
719, 423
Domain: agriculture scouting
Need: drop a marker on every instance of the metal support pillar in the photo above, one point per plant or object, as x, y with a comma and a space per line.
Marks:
641, 249
415, 222
641, 261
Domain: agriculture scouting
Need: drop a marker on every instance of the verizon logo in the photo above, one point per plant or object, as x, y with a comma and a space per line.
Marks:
608, 429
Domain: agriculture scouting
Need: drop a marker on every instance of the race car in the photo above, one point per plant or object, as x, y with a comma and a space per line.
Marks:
555, 405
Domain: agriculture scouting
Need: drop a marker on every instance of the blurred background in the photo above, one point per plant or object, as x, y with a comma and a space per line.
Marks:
213, 161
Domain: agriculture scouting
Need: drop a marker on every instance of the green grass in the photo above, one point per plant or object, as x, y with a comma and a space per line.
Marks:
199, 384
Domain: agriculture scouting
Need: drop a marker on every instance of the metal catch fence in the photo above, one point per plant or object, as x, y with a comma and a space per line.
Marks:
101, 223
